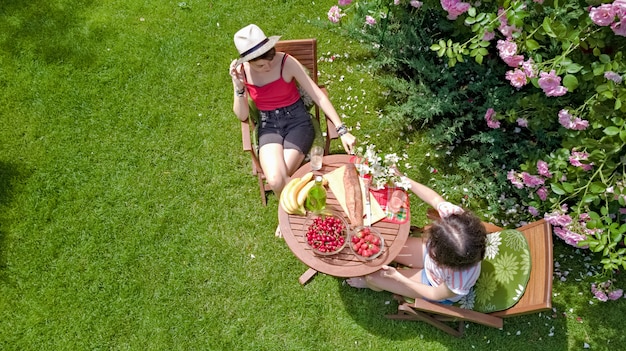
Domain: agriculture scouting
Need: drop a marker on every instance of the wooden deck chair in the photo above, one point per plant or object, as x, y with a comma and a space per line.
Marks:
536, 297
305, 51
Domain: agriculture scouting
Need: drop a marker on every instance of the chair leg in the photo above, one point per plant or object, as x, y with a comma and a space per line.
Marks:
405, 312
306, 276
262, 190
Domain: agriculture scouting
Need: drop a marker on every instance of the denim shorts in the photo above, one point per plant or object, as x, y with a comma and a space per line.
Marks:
289, 126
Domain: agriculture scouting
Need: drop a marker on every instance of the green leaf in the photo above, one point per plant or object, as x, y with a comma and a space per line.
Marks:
479, 59
532, 45
622, 135
546, 25
435, 47
568, 187
597, 187
557, 189
611, 131
570, 82
573, 68
470, 20
618, 104
588, 198
472, 12
605, 58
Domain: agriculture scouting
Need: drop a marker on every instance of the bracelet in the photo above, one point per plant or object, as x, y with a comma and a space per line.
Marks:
239, 93
342, 130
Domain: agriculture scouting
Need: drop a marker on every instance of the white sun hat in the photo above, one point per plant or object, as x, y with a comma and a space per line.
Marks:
251, 43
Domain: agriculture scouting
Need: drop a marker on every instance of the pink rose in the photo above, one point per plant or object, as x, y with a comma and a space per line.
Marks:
513, 61
334, 14
344, 2
543, 169
416, 4
568, 236
551, 84
517, 78
491, 123
610, 75
454, 8
528, 67
369, 20
533, 211
506, 48
488, 36
619, 6
514, 179
570, 122
531, 181
542, 193
602, 15
619, 28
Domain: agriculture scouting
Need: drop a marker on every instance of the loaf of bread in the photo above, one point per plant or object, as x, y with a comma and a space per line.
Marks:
354, 197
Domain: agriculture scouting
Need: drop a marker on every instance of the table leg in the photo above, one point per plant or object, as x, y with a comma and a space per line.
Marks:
306, 276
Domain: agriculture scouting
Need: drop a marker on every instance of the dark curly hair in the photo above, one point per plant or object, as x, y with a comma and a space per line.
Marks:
457, 241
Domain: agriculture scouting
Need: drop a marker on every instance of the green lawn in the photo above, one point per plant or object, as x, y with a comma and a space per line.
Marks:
129, 219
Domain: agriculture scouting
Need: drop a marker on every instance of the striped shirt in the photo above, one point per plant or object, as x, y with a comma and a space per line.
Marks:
459, 282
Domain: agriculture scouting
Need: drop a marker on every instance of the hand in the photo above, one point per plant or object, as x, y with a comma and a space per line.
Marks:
388, 271
236, 73
446, 209
349, 141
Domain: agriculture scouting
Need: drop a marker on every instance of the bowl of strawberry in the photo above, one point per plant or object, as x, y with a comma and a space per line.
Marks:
367, 243
327, 234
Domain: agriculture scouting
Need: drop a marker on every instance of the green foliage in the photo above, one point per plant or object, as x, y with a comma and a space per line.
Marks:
447, 73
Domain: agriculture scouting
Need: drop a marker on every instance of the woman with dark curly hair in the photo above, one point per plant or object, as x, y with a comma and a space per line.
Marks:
444, 264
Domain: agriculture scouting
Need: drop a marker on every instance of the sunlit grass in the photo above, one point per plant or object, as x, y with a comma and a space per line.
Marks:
128, 215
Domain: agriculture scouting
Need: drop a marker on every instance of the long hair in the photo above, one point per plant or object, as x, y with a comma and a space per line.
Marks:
457, 241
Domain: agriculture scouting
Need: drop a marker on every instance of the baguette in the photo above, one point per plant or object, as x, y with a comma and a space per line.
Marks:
354, 198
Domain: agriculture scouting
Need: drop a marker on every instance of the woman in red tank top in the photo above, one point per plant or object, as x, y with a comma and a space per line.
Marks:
269, 79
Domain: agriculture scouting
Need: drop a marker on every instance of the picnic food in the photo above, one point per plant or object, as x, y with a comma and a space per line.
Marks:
354, 198
316, 198
286, 198
366, 243
295, 192
326, 235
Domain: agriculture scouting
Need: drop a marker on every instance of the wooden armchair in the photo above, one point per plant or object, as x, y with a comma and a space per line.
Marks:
536, 298
305, 51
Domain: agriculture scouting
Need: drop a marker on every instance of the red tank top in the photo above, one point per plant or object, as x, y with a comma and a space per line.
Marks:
276, 94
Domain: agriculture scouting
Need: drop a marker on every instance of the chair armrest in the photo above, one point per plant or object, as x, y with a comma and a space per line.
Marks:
245, 136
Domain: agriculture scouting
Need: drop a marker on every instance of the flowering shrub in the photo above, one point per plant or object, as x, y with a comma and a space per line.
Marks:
539, 112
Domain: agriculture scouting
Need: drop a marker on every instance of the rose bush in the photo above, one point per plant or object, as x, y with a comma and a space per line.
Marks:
546, 80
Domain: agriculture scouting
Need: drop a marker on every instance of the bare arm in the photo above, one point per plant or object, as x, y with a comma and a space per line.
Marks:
293, 69
427, 194
411, 288
240, 102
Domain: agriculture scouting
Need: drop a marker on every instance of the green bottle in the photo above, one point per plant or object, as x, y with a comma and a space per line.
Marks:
316, 198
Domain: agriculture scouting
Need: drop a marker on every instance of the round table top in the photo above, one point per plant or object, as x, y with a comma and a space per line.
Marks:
345, 263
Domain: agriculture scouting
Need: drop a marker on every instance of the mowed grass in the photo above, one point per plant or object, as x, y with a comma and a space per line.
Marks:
129, 219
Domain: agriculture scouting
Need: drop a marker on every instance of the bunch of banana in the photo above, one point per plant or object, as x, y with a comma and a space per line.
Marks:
294, 194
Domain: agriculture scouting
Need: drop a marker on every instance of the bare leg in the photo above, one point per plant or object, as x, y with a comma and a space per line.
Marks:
293, 160
274, 167
378, 281
412, 253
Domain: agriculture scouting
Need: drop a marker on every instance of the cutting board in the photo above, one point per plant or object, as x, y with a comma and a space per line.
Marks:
335, 183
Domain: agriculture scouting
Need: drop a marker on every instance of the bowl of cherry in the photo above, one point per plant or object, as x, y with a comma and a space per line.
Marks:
326, 234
